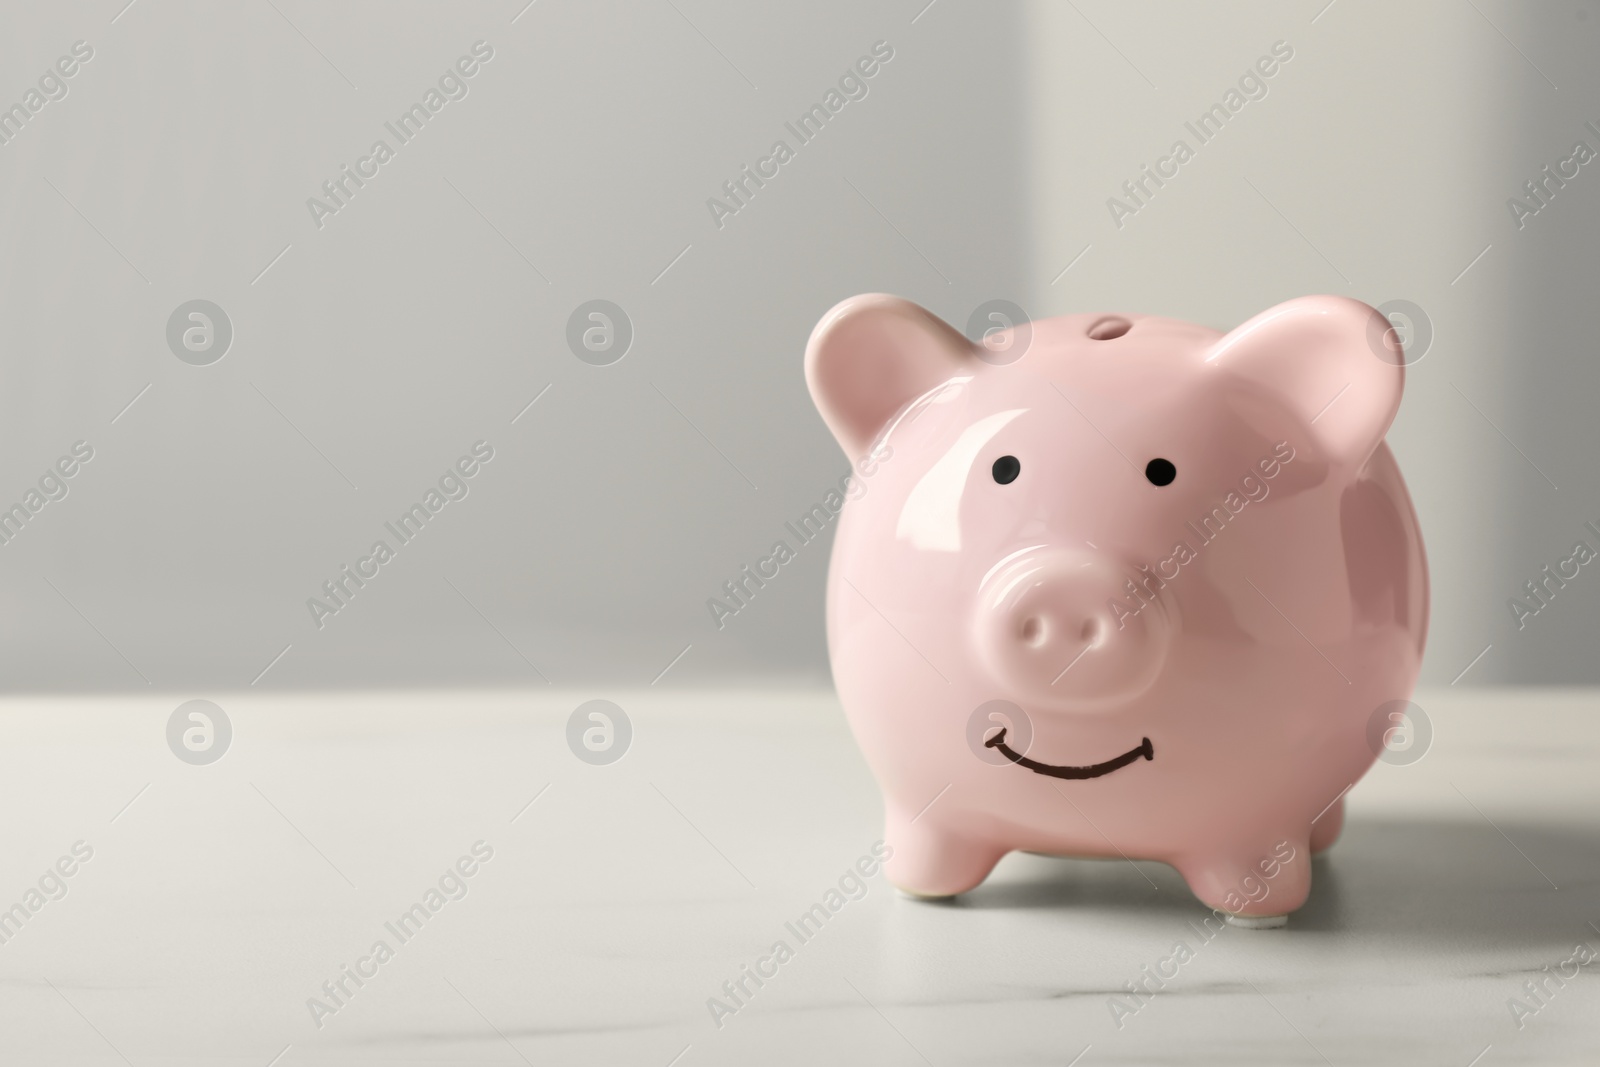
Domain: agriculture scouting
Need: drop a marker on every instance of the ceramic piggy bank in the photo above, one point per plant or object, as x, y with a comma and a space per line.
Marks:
1120, 586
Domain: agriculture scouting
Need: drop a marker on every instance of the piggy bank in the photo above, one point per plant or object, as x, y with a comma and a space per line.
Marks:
1120, 586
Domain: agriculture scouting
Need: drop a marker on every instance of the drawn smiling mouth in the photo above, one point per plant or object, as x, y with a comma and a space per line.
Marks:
998, 741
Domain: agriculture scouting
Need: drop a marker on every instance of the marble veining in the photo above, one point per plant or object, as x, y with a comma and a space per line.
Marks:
625, 899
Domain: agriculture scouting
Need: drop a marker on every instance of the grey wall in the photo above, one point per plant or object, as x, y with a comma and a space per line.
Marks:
1550, 276
426, 313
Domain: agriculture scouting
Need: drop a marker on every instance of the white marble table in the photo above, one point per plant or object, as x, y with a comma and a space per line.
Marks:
219, 899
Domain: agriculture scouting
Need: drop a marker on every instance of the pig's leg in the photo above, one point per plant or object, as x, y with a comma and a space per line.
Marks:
931, 862
1256, 886
1325, 831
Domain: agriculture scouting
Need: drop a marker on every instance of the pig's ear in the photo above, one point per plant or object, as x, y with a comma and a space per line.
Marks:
872, 355
1334, 363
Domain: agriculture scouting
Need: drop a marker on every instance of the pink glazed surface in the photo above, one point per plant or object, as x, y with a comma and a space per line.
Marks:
1256, 661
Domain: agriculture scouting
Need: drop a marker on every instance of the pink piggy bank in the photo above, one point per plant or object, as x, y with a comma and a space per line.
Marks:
1144, 590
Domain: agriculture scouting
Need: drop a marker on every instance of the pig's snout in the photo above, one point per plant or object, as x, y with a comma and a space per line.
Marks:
1050, 630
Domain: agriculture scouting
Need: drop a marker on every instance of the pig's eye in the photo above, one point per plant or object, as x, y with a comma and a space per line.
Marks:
1160, 471
1006, 469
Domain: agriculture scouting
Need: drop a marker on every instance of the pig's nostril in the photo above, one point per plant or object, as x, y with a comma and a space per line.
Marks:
1090, 634
1033, 630
1109, 329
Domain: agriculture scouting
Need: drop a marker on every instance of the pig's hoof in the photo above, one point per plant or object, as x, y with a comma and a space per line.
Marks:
927, 898
1258, 922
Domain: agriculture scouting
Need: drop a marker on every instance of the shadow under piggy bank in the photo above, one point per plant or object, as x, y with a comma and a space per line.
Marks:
1463, 882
